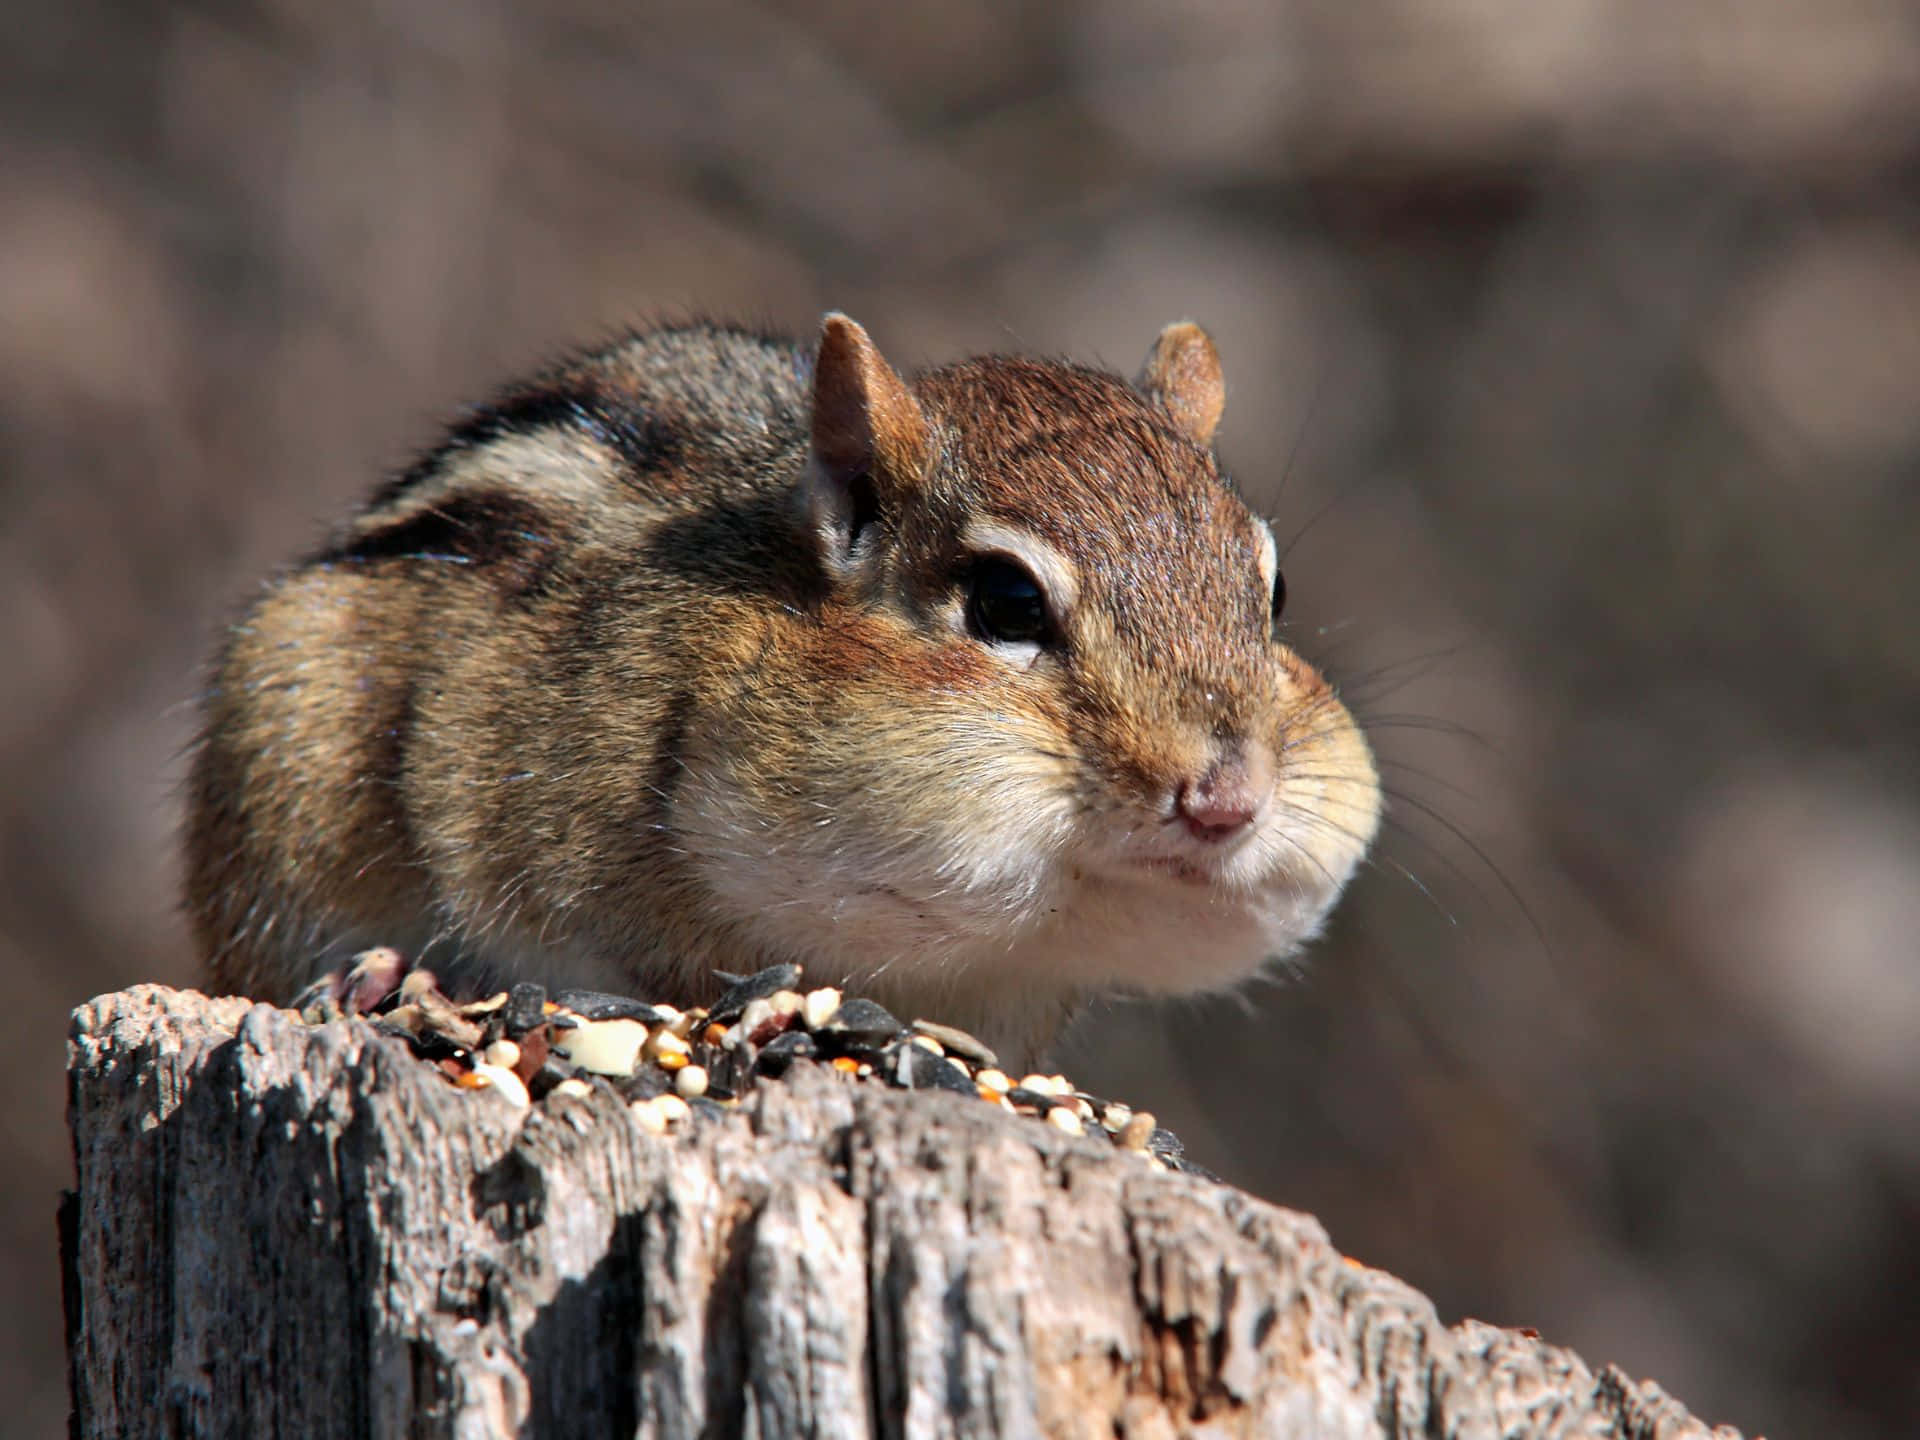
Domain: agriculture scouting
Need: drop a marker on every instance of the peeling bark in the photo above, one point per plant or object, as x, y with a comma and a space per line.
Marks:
282, 1229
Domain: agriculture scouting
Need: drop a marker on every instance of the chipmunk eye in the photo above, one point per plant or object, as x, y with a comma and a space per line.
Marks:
1279, 597
1006, 603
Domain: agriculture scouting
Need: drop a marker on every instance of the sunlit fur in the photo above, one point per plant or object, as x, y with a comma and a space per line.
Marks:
580, 697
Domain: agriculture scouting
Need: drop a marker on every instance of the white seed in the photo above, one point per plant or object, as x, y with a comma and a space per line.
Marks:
503, 1053
787, 1002
1082, 1109
1115, 1117
669, 1016
505, 1082
672, 1107
606, 1047
650, 1117
692, 1081
994, 1080
1038, 1084
1061, 1118
574, 1086
820, 1006
927, 1042
757, 1013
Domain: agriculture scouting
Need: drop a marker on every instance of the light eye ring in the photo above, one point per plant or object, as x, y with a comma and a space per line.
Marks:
1267, 563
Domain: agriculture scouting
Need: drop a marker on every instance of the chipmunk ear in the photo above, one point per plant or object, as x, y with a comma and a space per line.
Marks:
1182, 376
868, 432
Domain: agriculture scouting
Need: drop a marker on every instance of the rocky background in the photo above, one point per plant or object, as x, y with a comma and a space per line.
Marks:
1575, 345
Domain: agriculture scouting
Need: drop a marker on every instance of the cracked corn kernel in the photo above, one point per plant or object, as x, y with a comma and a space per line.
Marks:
508, 1084
1137, 1131
1061, 1118
663, 1043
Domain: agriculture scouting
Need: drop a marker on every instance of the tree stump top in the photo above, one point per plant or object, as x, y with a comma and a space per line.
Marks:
284, 1228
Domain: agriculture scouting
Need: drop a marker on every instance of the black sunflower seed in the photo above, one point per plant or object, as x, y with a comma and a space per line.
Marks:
598, 1005
743, 991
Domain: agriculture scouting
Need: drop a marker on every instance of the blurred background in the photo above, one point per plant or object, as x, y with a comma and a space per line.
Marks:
1574, 345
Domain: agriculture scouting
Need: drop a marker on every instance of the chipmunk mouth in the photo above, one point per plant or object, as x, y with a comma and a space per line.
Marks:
1184, 872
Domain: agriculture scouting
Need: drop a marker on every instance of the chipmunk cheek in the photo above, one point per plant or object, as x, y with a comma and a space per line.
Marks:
853, 649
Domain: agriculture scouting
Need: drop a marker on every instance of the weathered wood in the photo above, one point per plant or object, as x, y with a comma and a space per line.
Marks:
283, 1229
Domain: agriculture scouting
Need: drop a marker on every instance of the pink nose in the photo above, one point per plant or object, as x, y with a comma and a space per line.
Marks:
1220, 805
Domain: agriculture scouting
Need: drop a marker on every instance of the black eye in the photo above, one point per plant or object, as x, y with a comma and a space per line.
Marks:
1279, 596
1005, 603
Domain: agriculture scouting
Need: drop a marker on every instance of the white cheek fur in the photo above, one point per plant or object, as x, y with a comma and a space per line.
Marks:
987, 889
914, 867
1157, 936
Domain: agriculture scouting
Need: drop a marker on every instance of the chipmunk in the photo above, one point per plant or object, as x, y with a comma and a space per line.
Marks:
710, 650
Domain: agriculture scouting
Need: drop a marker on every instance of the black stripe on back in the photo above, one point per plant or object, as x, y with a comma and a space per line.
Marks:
506, 537
644, 443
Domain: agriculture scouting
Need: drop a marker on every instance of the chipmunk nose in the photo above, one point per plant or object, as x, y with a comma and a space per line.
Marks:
1227, 798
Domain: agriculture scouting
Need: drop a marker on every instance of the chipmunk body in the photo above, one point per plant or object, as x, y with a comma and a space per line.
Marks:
709, 650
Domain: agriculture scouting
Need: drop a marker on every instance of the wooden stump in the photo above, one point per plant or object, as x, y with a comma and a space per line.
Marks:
292, 1230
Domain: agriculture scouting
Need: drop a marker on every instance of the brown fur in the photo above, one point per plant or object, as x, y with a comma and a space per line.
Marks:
662, 663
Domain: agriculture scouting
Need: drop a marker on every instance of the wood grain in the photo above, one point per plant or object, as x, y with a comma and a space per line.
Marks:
282, 1229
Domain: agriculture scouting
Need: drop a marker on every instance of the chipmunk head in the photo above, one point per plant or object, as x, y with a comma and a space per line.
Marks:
1040, 727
